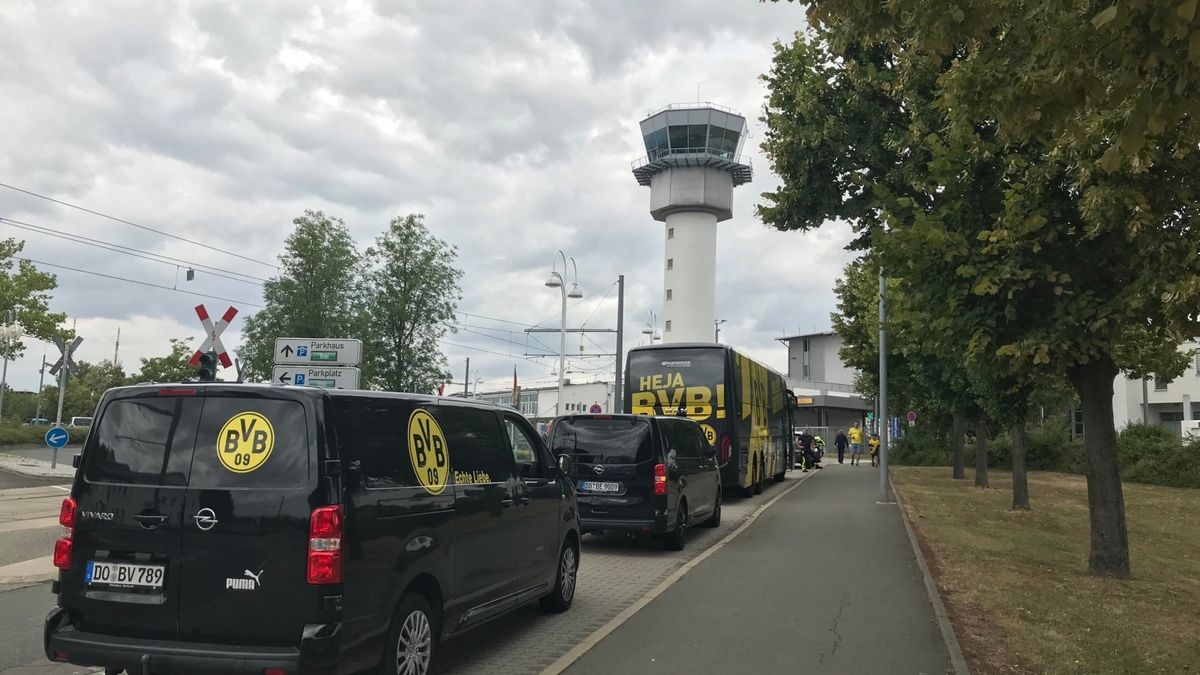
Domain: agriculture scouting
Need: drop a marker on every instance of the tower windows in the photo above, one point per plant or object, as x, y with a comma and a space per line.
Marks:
668, 325
671, 266
670, 233
668, 295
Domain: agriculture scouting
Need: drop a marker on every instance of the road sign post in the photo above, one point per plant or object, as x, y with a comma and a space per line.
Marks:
64, 365
56, 438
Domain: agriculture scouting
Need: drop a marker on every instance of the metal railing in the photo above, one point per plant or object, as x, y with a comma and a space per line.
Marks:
695, 106
672, 152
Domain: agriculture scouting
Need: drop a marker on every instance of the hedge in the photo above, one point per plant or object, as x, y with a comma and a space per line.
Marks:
15, 434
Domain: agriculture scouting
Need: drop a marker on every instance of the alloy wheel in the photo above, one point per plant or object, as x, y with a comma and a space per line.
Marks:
415, 645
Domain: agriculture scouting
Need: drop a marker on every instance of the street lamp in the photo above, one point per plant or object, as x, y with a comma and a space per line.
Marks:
557, 280
717, 327
650, 330
11, 330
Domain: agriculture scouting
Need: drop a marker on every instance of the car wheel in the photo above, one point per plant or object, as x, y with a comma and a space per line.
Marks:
715, 519
412, 641
675, 541
563, 595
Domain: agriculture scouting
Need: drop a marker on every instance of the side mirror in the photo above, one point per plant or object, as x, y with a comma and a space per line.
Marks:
566, 464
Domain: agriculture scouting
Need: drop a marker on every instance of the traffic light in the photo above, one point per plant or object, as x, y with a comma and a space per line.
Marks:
208, 366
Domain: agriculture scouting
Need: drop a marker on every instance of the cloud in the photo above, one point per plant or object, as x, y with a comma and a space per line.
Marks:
510, 124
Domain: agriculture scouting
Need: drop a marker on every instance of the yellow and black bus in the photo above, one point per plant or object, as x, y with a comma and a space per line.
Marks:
741, 404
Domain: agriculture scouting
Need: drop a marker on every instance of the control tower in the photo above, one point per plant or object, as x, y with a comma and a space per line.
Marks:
692, 163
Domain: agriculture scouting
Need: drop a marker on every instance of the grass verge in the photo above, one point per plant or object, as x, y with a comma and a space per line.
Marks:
1016, 584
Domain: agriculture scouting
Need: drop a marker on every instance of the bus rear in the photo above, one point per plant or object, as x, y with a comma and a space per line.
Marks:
661, 380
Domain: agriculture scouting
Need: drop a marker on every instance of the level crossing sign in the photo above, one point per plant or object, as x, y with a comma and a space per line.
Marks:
67, 356
212, 341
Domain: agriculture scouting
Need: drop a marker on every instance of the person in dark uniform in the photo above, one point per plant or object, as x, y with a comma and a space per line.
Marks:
805, 440
841, 442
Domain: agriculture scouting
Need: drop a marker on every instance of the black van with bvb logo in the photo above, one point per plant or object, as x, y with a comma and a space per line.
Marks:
229, 528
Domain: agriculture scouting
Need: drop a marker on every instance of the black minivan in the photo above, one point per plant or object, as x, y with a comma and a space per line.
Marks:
642, 474
217, 528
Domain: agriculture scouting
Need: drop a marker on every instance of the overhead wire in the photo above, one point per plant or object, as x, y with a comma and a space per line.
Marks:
134, 252
135, 281
137, 225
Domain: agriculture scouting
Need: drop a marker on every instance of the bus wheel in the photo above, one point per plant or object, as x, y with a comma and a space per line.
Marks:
758, 482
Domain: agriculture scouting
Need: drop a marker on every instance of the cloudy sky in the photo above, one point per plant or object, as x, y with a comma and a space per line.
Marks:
510, 124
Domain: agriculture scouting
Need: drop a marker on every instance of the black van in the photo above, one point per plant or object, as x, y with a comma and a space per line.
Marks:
266, 529
643, 474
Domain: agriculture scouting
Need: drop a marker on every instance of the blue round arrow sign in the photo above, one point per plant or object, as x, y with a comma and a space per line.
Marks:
57, 437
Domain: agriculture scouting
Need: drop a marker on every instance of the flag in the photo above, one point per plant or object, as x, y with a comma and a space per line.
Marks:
516, 394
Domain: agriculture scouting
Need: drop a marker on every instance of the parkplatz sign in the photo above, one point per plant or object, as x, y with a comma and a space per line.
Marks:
318, 351
326, 377
328, 363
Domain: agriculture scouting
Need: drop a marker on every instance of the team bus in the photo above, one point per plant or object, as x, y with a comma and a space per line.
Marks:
742, 405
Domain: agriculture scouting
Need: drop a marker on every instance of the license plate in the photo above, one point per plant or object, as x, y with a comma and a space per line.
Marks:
123, 575
598, 486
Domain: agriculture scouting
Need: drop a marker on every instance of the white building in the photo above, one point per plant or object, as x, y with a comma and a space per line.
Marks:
692, 163
1172, 404
824, 386
537, 403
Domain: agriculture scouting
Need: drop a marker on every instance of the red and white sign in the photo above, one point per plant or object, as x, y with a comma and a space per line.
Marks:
595, 409
213, 339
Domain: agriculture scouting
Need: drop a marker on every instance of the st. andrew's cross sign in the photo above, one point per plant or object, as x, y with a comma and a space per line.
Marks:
67, 358
212, 341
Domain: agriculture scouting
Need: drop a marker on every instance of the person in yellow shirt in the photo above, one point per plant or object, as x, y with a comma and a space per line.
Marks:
855, 444
873, 444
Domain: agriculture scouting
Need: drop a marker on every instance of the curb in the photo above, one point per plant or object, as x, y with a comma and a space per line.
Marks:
957, 661
37, 468
575, 653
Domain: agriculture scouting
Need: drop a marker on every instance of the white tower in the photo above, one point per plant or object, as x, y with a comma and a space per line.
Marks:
693, 162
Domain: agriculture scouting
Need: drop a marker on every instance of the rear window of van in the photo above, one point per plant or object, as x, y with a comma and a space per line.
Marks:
596, 440
201, 442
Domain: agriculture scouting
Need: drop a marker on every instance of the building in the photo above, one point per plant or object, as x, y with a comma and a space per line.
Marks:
826, 395
537, 403
692, 163
1172, 404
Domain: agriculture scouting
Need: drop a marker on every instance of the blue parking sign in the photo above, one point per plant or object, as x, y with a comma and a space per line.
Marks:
301, 351
298, 378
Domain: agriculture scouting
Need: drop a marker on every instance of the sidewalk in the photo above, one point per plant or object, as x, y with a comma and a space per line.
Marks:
825, 581
35, 461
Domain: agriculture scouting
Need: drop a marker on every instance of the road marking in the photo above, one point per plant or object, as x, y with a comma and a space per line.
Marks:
590, 641
60, 487
38, 569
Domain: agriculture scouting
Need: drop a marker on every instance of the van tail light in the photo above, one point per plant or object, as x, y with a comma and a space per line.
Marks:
660, 479
62, 547
325, 545
726, 446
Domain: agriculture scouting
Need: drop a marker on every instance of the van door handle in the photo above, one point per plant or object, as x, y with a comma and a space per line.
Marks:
524, 499
150, 521
507, 502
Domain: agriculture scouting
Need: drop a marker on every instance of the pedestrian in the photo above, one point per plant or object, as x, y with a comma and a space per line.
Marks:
841, 442
806, 448
855, 444
873, 444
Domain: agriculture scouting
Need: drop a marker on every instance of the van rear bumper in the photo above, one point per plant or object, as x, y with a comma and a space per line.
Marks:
656, 525
63, 642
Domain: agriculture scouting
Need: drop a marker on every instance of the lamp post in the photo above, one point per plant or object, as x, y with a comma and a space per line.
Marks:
717, 330
9, 331
557, 280
650, 330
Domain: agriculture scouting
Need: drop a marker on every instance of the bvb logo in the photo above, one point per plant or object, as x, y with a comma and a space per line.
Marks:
245, 442
428, 451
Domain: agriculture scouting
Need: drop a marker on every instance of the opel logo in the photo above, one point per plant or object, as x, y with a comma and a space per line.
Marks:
599, 469
205, 519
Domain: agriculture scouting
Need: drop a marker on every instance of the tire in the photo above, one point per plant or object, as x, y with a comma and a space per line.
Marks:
758, 482
715, 519
676, 540
565, 578
412, 644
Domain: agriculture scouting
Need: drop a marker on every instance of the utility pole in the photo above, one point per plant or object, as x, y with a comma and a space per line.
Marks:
10, 318
883, 412
467, 380
717, 330
41, 383
117, 347
617, 390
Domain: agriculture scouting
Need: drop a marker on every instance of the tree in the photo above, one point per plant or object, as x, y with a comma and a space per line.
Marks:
26, 290
414, 292
318, 293
1097, 228
83, 390
173, 367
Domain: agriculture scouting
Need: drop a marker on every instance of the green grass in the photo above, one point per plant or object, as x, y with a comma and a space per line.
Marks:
1017, 587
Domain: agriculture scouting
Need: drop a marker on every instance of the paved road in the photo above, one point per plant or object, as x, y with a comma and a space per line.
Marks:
21, 633
12, 480
768, 603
